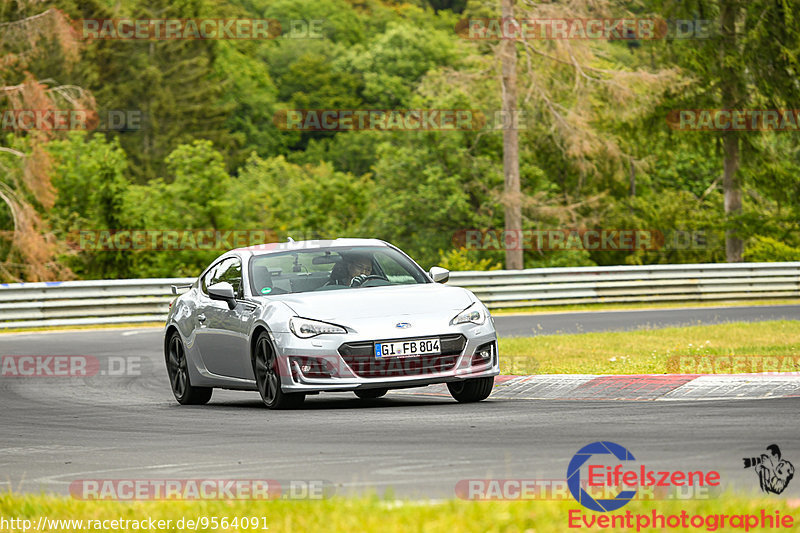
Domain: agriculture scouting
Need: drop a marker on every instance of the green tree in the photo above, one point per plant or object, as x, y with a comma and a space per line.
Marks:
251, 97
339, 21
393, 63
196, 197
89, 175
428, 189
308, 201
750, 57
173, 83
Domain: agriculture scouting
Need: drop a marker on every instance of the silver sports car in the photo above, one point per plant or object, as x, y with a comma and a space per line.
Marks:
298, 318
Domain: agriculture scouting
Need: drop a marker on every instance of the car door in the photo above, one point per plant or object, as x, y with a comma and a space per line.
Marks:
222, 332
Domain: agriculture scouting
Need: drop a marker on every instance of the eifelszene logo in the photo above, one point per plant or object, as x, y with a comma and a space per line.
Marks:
594, 458
774, 473
574, 476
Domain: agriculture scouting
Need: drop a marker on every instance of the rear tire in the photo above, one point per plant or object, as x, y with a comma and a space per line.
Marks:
268, 377
371, 394
471, 390
178, 372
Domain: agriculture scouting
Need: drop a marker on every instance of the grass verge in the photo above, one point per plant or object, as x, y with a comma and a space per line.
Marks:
650, 351
368, 514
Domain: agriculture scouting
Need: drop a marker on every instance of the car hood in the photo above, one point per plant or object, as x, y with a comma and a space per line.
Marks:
375, 302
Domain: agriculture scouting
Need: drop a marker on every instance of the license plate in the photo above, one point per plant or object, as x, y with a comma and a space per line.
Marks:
408, 348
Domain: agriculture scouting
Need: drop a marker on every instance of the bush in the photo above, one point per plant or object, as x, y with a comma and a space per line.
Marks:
767, 250
460, 259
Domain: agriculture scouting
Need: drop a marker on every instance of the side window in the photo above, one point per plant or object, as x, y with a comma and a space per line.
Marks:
393, 270
208, 278
230, 271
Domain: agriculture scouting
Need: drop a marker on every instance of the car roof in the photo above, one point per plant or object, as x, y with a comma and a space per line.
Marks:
273, 247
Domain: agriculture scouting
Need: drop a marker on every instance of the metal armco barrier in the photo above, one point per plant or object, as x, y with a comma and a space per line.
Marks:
147, 300
649, 283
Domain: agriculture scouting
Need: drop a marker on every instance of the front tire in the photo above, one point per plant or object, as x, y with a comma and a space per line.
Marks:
178, 372
471, 390
268, 377
371, 394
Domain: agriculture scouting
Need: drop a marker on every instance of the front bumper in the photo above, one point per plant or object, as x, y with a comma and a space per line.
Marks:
341, 363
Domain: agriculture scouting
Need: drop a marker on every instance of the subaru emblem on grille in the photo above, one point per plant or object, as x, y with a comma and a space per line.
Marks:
402, 325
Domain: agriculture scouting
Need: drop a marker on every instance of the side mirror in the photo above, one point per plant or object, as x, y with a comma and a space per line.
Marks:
222, 291
439, 274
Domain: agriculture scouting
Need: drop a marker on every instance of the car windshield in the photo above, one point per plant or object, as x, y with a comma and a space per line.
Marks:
323, 269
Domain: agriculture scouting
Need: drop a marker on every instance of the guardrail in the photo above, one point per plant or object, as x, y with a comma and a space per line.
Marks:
649, 283
147, 300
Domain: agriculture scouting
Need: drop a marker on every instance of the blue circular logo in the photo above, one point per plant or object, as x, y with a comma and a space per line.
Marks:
402, 325
574, 476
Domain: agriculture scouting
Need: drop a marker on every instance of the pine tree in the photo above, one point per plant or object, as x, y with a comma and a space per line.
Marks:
170, 82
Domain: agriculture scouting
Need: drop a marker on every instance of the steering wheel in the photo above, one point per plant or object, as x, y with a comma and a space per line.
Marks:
358, 281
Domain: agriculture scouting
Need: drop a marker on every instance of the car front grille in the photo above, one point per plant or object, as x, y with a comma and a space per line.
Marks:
360, 357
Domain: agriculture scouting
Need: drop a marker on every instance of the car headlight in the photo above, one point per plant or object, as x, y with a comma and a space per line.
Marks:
473, 314
305, 328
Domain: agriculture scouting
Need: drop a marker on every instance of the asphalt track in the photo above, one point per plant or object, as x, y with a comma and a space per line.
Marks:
59, 430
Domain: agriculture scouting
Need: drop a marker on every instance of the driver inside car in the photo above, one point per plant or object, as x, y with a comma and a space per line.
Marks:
351, 271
